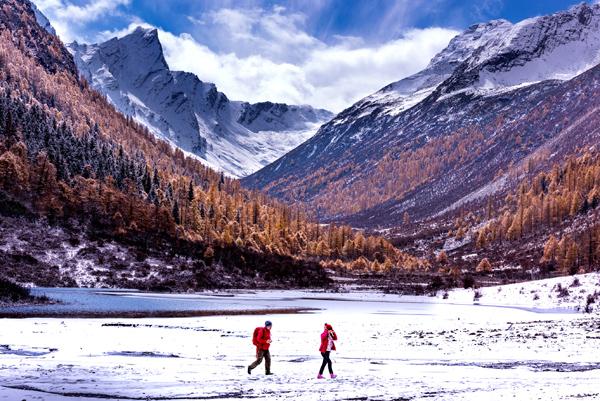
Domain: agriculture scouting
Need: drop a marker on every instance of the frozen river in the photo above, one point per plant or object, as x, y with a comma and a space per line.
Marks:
390, 348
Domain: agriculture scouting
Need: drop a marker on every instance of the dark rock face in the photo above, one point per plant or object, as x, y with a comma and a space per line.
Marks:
252, 111
279, 116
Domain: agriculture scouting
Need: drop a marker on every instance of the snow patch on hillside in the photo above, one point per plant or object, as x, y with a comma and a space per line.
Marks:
42, 20
487, 190
569, 292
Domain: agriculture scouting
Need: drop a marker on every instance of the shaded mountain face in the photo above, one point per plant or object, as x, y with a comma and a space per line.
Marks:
235, 137
499, 96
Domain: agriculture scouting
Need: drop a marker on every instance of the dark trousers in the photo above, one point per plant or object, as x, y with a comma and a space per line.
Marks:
260, 354
326, 362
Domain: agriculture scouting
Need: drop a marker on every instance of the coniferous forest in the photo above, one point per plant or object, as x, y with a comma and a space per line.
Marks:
68, 157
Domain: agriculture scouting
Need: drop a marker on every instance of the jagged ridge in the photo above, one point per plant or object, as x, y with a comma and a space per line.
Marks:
236, 137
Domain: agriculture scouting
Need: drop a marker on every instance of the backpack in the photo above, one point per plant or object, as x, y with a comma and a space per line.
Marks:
257, 333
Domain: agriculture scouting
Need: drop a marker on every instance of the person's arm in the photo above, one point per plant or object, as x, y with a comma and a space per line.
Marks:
323, 341
333, 335
268, 337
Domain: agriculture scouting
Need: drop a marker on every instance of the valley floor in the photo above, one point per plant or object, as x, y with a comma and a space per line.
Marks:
389, 348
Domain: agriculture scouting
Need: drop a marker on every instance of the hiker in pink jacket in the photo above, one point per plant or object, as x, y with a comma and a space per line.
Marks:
328, 337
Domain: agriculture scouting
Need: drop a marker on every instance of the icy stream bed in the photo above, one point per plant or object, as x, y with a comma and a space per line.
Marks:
389, 348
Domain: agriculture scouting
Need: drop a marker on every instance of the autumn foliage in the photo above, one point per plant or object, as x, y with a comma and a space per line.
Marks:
563, 202
68, 153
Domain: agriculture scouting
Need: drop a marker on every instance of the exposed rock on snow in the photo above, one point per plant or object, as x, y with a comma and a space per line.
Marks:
235, 137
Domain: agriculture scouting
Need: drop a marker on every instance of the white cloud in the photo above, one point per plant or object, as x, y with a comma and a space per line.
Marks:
257, 55
70, 19
274, 34
266, 55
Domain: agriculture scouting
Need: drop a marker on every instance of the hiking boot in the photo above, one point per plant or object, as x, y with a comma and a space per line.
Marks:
333, 376
320, 376
249, 370
268, 373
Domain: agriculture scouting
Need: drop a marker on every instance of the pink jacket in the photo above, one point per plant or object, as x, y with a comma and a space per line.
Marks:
325, 340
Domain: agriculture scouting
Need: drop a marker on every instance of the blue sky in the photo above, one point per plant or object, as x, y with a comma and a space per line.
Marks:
329, 53
375, 20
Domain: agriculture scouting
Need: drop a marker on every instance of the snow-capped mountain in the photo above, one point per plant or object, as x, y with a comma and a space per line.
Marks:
499, 55
422, 144
235, 137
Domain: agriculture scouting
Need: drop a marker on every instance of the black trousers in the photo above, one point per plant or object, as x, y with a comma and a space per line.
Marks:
326, 362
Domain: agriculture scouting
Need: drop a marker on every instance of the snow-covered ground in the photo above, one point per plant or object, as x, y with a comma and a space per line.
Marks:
389, 348
569, 292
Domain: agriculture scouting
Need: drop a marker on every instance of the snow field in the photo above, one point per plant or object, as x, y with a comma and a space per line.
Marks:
569, 292
387, 350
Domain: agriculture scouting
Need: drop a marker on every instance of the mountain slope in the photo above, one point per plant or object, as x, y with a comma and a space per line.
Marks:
236, 137
496, 96
88, 196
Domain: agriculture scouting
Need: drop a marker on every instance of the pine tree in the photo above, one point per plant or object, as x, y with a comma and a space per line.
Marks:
550, 249
10, 131
191, 192
146, 181
155, 179
175, 213
221, 182
442, 258
484, 266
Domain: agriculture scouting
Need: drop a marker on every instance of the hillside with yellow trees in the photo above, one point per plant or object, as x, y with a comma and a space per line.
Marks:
558, 207
544, 223
449, 134
70, 160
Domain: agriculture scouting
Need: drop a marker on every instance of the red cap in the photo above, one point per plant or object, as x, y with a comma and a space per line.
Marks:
328, 326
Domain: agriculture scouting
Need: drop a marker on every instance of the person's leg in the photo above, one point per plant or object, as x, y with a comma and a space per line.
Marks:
267, 355
329, 363
259, 358
325, 356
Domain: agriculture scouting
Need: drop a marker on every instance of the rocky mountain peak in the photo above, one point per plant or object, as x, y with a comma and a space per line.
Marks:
233, 136
136, 54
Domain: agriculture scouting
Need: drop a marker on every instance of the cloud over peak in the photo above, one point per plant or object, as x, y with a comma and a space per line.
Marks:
258, 54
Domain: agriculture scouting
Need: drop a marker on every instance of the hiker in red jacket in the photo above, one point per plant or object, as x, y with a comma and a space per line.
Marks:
262, 339
327, 345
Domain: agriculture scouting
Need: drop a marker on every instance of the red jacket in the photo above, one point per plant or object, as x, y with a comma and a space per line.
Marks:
325, 340
264, 335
